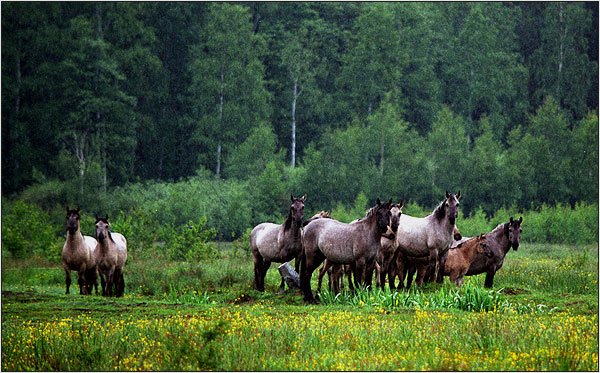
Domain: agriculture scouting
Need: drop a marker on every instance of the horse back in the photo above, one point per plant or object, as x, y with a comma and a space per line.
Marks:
333, 238
121, 246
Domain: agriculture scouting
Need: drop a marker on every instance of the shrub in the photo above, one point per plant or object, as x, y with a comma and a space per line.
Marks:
27, 231
190, 242
139, 229
241, 246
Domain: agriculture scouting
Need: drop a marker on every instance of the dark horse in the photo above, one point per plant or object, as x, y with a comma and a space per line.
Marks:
357, 243
277, 243
499, 242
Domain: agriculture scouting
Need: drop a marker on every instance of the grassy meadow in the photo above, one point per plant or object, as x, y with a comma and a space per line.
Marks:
542, 314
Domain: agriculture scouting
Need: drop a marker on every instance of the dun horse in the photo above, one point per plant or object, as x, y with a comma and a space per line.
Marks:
460, 257
430, 236
111, 255
385, 258
499, 242
356, 243
277, 243
78, 255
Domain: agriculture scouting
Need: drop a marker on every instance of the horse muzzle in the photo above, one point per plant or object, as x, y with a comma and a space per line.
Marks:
515, 246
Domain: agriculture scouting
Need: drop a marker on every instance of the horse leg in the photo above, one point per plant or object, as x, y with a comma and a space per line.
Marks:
258, 264
433, 261
369, 269
265, 268
489, 279
110, 281
310, 261
442, 264
348, 271
103, 283
67, 279
81, 280
322, 272
120, 283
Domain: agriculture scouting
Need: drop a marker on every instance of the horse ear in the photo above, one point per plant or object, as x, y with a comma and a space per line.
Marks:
291, 197
106, 218
303, 198
520, 220
96, 215
68, 209
378, 202
78, 209
458, 195
390, 201
447, 194
511, 220
401, 204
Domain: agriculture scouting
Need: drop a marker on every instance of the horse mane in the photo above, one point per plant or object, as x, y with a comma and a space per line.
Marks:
440, 211
288, 222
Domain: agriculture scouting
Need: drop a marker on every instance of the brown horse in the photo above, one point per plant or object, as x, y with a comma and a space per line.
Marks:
277, 243
430, 236
459, 258
499, 242
78, 255
111, 255
356, 243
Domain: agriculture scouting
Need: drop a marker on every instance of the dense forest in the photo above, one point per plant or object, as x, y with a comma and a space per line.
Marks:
119, 105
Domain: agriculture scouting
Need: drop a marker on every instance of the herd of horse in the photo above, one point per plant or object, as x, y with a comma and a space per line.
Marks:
386, 240
91, 257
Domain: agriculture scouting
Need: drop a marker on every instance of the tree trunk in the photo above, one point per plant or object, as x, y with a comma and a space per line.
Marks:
561, 49
80, 155
221, 102
293, 162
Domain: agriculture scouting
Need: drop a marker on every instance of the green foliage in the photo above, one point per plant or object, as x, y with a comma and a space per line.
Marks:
140, 230
27, 231
190, 242
241, 246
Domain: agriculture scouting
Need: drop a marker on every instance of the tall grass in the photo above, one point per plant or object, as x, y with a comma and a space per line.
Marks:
471, 297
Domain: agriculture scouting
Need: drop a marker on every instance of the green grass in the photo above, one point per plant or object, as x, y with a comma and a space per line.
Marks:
542, 314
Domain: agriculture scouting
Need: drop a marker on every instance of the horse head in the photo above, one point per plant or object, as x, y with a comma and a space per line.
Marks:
102, 228
297, 209
396, 212
513, 230
383, 215
73, 219
450, 206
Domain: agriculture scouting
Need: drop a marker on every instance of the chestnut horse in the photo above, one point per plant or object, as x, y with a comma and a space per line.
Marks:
278, 243
460, 257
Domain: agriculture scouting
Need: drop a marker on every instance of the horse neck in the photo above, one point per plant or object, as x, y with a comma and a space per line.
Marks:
500, 238
441, 221
370, 223
291, 228
107, 244
75, 240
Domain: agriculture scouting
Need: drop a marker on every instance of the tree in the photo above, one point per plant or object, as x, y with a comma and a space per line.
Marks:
480, 65
448, 147
582, 178
561, 65
227, 86
372, 65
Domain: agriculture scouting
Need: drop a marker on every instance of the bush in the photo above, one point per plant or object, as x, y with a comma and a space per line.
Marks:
241, 246
139, 229
27, 231
190, 242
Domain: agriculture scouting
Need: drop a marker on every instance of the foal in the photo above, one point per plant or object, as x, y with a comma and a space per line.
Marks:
78, 255
111, 255
460, 257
